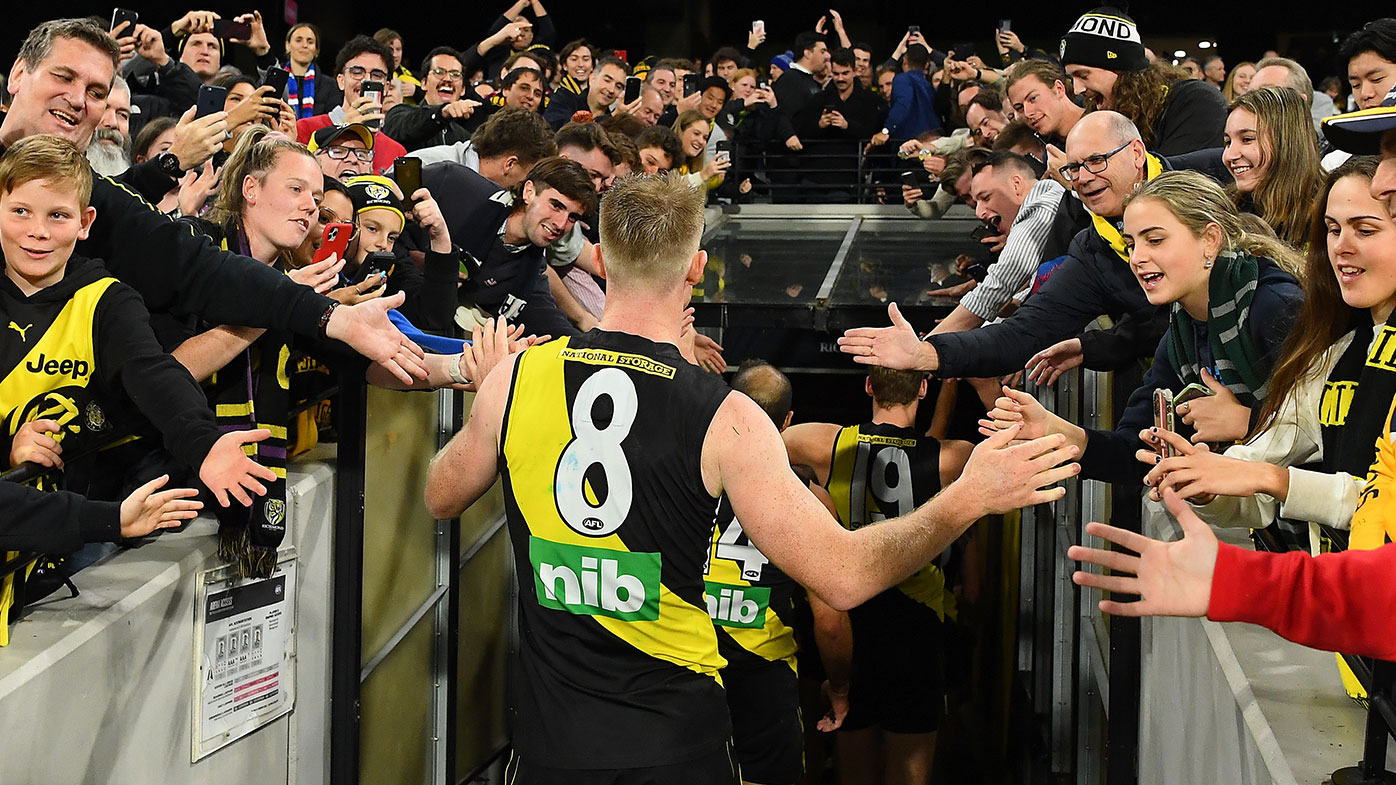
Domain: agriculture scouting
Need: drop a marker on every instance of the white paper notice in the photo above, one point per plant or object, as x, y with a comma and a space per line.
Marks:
245, 668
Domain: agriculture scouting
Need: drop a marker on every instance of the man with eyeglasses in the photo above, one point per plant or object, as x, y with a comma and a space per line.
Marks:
1105, 161
442, 117
361, 60
343, 151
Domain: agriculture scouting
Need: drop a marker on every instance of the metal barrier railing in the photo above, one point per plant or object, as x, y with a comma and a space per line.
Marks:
1379, 680
1080, 669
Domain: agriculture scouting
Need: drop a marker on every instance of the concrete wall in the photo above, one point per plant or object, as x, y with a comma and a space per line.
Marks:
97, 689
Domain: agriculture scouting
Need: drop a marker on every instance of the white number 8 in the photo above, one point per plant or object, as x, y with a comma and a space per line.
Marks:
598, 446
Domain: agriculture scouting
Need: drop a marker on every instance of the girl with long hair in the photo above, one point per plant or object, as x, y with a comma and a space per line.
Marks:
1231, 302
693, 130
1238, 82
1331, 387
1272, 152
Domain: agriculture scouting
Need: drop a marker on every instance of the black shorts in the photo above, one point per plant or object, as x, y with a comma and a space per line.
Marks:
718, 767
898, 678
766, 728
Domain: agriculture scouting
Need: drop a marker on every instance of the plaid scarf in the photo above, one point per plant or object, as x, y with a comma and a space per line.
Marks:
300, 93
1230, 291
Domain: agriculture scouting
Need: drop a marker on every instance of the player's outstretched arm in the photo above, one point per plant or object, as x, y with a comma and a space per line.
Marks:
468, 465
743, 456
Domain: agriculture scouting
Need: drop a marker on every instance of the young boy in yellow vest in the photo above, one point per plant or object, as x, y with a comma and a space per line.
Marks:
77, 341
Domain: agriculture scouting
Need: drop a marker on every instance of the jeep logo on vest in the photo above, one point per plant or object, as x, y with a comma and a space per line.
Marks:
75, 369
737, 606
587, 581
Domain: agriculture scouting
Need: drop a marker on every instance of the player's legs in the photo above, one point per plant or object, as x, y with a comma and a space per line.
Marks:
859, 757
908, 757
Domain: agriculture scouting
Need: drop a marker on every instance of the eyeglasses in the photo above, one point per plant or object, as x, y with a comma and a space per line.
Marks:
454, 73
339, 153
358, 71
1095, 164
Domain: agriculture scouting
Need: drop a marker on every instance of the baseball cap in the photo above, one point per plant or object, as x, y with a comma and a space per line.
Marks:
1105, 38
1360, 132
374, 192
329, 134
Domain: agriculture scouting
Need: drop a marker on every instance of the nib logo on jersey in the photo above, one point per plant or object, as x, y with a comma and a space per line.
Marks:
737, 606
595, 581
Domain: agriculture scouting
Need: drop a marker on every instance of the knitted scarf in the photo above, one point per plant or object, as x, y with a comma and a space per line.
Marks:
253, 391
300, 93
1230, 291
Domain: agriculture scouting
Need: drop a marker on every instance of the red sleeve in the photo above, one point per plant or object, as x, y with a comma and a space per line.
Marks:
385, 151
308, 126
1335, 601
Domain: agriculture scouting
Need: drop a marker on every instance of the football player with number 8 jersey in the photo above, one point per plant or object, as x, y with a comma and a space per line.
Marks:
614, 451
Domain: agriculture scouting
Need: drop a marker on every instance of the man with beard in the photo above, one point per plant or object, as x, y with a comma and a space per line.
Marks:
109, 152
443, 114
507, 231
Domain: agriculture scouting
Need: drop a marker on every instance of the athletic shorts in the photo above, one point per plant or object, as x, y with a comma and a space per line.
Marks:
718, 767
766, 728
898, 678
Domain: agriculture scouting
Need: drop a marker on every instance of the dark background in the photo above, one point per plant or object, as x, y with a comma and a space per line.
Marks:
697, 27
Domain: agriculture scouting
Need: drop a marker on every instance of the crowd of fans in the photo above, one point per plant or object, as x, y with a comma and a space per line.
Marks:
262, 213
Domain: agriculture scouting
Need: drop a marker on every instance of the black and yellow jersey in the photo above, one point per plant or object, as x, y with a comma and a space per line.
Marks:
884, 471
750, 601
78, 350
600, 447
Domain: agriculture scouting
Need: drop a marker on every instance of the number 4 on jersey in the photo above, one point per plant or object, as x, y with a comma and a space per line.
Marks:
734, 546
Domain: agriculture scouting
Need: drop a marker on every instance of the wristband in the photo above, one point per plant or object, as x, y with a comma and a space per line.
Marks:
325, 319
453, 368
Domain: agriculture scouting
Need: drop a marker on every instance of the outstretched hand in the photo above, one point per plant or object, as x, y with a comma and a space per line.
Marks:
1008, 476
366, 328
890, 347
1171, 578
1048, 365
144, 510
228, 472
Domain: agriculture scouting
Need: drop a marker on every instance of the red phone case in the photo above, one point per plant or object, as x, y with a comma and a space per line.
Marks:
336, 241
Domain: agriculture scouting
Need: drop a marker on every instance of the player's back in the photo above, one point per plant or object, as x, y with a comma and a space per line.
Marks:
882, 471
601, 445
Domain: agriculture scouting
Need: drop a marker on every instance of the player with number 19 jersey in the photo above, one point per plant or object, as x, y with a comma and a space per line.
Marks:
608, 515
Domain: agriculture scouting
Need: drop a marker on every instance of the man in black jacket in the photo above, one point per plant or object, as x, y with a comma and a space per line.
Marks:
442, 116
1105, 161
606, 85
61, 79
507, 231
797, 91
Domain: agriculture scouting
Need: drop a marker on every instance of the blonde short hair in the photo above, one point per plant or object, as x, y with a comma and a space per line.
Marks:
49, 158
650, 228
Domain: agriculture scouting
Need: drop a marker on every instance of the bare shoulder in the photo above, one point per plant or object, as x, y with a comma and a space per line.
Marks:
738, 426
954, 454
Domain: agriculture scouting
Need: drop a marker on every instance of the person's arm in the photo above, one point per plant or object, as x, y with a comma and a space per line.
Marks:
901, 104
467, 466
205, 353
812, 444
1306, 599
148, 180
431, 291
833, 636
1021, 254
1131, 338
1110, 455
54, 522
544, 31
575, 311
744, 458
542, 316
412, 126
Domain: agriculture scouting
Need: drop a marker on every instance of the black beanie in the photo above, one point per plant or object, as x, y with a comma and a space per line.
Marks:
1104, 38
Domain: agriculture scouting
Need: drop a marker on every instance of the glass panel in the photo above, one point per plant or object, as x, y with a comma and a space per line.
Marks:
900, 260
770, 261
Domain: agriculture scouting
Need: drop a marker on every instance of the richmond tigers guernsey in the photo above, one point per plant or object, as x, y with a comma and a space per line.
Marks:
749, 599
884, 471
600, 445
